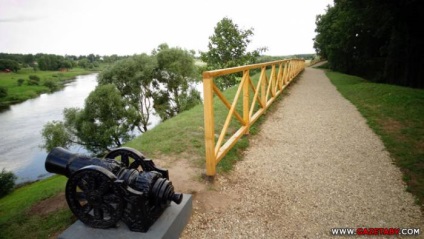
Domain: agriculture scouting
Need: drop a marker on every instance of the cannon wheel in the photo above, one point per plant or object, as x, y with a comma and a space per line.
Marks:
132, 159
94, 198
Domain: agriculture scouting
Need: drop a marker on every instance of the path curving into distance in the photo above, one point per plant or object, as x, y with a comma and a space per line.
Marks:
314, 165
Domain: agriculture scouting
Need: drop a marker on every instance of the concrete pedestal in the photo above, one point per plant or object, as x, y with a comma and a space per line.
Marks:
169, 225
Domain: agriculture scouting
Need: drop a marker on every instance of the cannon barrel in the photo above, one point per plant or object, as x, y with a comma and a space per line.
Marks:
64, 162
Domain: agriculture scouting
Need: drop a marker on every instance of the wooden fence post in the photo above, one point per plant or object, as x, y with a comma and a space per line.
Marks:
209, 126
246, 115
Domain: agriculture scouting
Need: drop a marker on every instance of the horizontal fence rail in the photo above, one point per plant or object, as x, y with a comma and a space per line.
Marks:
256, 98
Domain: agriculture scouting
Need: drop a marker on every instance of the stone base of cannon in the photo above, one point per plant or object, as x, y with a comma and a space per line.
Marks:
169, 225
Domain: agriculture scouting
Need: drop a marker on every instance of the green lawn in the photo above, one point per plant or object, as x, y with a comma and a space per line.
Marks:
18, 93
396, 114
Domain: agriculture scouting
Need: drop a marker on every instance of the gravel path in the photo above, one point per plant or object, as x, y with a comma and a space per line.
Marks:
315, 165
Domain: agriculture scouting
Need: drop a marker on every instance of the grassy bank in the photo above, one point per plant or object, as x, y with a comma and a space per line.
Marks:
396, 114
18, 219
17, 92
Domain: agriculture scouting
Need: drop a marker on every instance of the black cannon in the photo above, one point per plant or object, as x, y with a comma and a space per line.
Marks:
100, 192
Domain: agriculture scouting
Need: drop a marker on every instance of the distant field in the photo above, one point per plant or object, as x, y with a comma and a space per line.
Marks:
18, 93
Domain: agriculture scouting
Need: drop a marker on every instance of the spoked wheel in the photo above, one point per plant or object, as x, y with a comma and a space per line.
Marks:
131, 158
94, 198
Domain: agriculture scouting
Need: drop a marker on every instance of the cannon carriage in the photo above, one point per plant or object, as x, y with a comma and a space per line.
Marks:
101, 192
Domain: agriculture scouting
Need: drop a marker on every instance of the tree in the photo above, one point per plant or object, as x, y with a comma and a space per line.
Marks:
104, 123
50, 62
379, 40
228, 48
93, 58
67, 64
6, 64
55, 134
176, 70
84, 63
134, 78
111, 59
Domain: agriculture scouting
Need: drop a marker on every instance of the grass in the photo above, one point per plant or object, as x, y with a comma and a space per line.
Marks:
396, 114
16, 220
180, 136
24, 92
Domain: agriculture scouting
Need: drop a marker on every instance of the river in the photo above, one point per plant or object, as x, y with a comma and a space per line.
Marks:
21, 125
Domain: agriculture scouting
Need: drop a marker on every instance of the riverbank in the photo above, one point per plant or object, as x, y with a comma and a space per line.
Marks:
20, 88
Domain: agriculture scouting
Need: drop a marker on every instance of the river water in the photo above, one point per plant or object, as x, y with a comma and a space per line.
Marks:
21, 125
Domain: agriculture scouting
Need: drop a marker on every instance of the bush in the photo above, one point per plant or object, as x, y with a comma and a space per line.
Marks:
51, 84
3, 91
7, 182
34, 80
20, 81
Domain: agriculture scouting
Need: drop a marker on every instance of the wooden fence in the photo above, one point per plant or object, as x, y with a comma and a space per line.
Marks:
256, 98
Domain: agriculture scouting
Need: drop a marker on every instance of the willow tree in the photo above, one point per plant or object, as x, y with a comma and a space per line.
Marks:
104, 123
134, 78
175, 71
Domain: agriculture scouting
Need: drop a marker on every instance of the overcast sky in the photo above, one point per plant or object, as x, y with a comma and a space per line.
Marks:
126, 27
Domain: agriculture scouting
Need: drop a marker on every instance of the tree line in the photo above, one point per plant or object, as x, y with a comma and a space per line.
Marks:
131, 89
379, 40
52, 62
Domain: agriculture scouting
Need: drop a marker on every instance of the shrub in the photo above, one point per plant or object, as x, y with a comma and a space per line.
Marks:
51, 84
34, 80
3, 91
7, 182
20, 81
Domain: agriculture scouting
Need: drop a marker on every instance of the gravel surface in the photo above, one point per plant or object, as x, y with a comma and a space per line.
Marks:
315, 165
